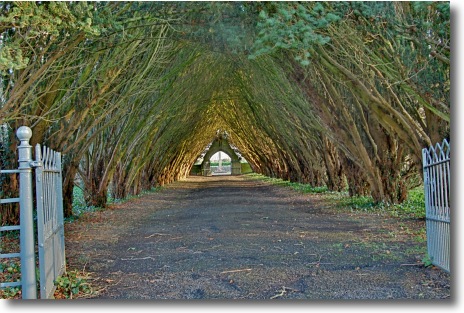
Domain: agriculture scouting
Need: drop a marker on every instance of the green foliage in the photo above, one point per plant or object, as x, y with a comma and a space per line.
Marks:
246, 168
10, 268
357, 203
427, 261
127, 91
10, 271
79, 205
10, 292
41, 23
371, 10
226, 27
72, 284
413, 207
292, 26
12, 234
305, 188
129, 197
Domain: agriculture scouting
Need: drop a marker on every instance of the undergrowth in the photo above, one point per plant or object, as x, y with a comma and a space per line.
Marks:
72, 284
413, 207
306, 188
79, 205
10, 271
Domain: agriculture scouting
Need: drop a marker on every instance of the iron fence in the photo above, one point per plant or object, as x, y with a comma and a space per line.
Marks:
436, 166
50, 230
26, 227
50, 225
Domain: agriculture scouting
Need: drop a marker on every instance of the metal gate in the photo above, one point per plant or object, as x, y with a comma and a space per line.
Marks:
436, 164
50, 230
50, 226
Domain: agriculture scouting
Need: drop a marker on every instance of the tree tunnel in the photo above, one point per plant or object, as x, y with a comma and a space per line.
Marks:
342, 94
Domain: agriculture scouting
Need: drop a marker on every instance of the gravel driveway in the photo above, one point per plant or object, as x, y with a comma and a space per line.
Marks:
232, 237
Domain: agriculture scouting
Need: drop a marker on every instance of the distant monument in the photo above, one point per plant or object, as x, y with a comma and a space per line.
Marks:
220, 144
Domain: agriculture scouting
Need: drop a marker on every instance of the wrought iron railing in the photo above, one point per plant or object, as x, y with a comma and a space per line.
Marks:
437, 184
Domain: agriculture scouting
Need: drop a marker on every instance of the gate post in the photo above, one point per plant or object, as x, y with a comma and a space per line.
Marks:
26, 236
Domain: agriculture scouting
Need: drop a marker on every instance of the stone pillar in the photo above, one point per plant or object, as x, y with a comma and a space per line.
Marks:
236, 168
220, 161
206, 169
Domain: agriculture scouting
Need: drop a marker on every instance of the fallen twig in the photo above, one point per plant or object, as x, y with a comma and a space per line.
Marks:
213, 247
134, 259
157, 234
283, 292
414, 264
236, 271
318, 263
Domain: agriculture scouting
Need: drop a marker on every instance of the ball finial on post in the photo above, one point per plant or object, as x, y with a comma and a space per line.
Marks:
24, 133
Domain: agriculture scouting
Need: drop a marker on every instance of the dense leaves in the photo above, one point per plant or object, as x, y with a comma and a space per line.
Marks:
292, 26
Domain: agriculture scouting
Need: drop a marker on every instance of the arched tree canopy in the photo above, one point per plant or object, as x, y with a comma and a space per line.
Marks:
338, 93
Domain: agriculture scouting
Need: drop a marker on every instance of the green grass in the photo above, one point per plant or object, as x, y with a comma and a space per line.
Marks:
305, 188
413, 207
116, 200
80, 207
217, 163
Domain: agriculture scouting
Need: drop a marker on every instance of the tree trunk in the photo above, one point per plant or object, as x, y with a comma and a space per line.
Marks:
69, 173
333, 166
97, 191
99, 200
357, 184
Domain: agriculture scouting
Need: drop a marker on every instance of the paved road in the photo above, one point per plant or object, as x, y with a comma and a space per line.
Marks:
236, 238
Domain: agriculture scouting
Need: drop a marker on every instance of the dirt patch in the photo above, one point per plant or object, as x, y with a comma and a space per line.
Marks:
231, 237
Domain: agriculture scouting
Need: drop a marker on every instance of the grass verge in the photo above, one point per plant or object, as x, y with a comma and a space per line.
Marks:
412, 208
